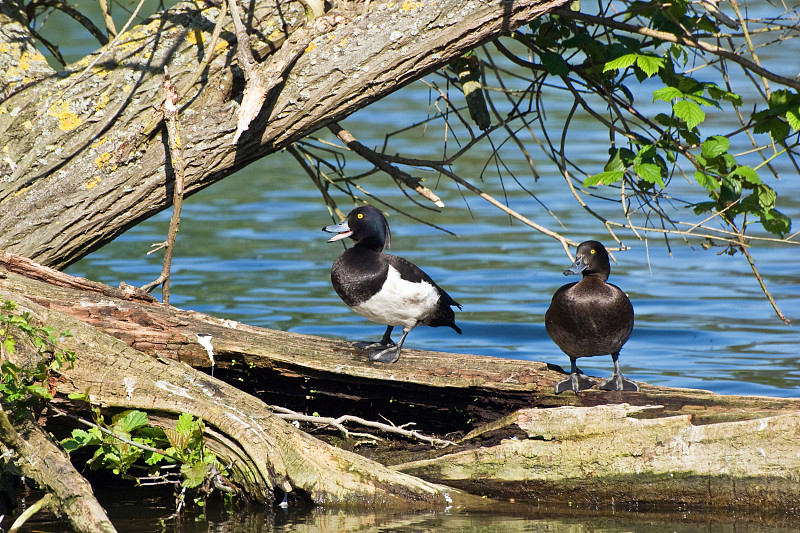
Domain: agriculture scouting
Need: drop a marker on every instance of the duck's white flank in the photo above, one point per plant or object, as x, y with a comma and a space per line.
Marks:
400, 302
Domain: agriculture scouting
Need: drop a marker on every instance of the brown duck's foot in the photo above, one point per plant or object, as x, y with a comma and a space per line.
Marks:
576, 382
617, 382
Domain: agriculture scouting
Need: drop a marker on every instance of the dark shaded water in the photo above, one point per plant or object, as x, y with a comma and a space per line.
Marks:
132, 513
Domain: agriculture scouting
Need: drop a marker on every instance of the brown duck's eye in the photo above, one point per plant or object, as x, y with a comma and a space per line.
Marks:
592, 251
360, 215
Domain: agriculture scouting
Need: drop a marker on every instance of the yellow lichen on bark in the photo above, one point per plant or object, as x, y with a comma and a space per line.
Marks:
67, 119
102, 160
195, 36
410, 5
92, 182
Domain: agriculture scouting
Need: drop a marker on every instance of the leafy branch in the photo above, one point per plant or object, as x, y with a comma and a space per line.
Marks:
129, 440
23, 386
693, 67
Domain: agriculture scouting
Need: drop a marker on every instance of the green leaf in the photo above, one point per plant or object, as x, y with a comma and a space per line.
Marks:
730, 190
780, 98
555, 64
194, 474
702, 100
650, 65
793, 118
178, 439
153, 458
649, 172
604, 178
620, 63
707, 25
689, 112
186, 423
668, 121
704, 207
766, 197
38, 390
128, 421
667, 94
708, 182
714, 146
619, 160
9, 345
749, 175
776, 222
720, 94
79, 439
778, 128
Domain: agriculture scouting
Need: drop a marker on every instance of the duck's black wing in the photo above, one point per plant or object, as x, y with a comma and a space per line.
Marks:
443, 314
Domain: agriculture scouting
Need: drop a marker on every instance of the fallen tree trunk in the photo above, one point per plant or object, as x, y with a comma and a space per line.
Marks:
266, 453
693, 446
603, 455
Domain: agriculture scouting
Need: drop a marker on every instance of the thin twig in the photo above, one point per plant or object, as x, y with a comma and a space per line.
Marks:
375, 158
329, 201
144, 132
169, 108
43, 503
210, 51
538, 227
97, 59
70, 11
243, 51
761, 283
749, 41
110, 433
338, 423
260, 79
110, 28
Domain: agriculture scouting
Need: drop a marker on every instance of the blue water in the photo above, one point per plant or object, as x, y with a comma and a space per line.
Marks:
250, 248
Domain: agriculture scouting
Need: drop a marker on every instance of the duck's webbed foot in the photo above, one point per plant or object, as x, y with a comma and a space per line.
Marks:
391, 353
374, 345
576, 382
385, 342
618, 382
383, 354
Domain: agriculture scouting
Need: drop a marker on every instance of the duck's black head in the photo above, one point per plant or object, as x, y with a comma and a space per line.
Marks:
590, 258
366, 225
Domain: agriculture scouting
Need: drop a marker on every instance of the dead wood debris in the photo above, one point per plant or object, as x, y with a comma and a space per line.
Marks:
339, 423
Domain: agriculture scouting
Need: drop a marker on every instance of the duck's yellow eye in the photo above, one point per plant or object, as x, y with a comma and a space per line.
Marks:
592, 252
360, 215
